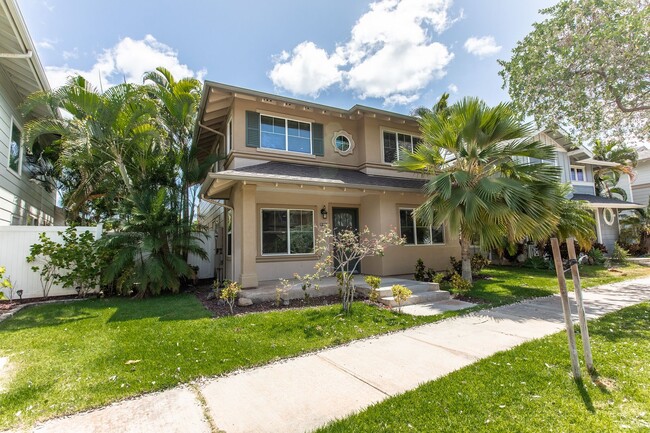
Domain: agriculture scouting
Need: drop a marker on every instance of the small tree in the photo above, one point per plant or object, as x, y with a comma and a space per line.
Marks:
341, 253
229, 294
400, 294
48, 254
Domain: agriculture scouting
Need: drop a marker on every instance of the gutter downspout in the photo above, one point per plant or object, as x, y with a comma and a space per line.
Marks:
232, 238
27, 55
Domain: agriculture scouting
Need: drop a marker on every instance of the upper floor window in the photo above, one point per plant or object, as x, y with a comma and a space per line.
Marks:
415, 232
285, 134
394, 141
15, 149
578, 173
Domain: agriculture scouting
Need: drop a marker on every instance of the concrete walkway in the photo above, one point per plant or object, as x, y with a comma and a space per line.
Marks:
304, 393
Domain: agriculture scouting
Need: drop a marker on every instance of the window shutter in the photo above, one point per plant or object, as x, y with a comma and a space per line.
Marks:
318, 144
252, 129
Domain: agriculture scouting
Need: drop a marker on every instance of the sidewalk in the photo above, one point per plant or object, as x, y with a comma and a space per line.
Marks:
304, 393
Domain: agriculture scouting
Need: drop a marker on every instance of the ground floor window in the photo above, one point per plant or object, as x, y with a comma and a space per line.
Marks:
415, 232
287, 231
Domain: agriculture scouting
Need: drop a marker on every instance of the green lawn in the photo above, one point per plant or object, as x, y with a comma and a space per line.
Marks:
506, 285
64, 358
529, 389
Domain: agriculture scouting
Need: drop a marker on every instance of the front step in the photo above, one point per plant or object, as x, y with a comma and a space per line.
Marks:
386, 289
418, 298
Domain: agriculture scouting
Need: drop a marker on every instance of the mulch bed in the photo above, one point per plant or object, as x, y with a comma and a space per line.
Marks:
6, 305
219, 309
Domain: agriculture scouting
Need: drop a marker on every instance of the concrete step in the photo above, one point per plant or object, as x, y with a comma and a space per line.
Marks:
419, 298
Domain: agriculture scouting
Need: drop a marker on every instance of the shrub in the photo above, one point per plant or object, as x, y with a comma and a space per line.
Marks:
400, 294
459, 285
596, 256
229, 294
374, 283
5, 283
535, 262
619, 255
478, 262
429, 274
48, 254
635, 249
419, 270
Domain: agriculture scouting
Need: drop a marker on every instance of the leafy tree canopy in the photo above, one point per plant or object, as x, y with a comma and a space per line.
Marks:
586, 68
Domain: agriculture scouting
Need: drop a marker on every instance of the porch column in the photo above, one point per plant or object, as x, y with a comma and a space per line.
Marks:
373, 215
248, 251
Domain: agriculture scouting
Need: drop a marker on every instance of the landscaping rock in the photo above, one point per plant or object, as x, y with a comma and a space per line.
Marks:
244, 302
211, 295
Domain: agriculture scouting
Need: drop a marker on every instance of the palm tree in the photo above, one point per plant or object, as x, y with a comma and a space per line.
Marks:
576, 220
178, 102
637, 225
480, 180
439, 106
606, 178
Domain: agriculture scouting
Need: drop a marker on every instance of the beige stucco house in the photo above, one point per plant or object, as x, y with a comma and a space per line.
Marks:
290, 167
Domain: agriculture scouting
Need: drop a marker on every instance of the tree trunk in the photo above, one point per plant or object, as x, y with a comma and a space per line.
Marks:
466, 259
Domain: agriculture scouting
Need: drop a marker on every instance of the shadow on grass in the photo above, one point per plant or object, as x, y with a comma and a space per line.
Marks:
47, 315
584, 394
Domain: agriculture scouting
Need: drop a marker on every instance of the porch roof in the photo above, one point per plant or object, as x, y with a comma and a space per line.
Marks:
282, 172
603, 202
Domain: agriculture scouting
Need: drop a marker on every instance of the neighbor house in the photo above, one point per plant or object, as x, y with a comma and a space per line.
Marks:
290, 167
641, 183
22, 202
577, 165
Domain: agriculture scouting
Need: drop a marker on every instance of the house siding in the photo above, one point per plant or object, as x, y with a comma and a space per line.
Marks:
21, 201
608, 234
584, 189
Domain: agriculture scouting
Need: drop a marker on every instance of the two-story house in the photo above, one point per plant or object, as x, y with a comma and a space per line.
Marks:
22, 202
578, 164
290, 167
641, 184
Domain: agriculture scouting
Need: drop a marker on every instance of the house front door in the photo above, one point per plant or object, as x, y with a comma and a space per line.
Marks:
344, 218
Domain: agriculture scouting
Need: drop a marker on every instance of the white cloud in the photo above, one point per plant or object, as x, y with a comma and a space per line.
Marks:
307, 70
483, 47
46, 44
73, 54
127, 61
452, 88
390, 54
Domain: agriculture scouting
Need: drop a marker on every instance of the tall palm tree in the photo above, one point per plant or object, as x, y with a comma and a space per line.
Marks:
178, 102
606, 178
637, 224
576, 220
480, 180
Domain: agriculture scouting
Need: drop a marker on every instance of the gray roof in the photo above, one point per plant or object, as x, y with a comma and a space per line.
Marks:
606, 201
282, 171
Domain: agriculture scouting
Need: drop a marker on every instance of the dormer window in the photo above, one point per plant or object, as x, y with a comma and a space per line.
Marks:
578, 173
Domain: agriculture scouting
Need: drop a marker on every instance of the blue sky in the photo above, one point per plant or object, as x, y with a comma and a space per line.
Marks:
389, 54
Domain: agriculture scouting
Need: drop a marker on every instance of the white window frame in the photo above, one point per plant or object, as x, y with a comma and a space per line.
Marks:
21, 153
395, 131
415, 235
576, 168
288, 253
286, 135
609, 221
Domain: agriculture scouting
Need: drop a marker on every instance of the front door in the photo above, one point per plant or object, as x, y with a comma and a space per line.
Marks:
344, 218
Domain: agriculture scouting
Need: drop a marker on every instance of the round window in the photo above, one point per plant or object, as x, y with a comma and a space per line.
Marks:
608, 216
343, 143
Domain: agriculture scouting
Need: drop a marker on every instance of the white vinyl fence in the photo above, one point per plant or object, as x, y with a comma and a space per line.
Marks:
15, 242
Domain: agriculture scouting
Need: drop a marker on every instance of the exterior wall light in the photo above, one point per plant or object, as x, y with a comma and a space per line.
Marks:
323, 213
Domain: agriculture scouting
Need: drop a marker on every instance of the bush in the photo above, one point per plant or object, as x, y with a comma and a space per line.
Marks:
478, 262
374, 283
619, 255
596, 256
401, 294
536, 262
5, 284
634, 249
229, 294
459, 285
419, 270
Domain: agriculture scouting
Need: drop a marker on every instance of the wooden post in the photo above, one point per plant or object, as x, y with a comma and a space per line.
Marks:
559, 270
584, 330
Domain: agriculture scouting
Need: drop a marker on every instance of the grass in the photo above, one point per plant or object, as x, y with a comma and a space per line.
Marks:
64, 358
529, 389
505, 285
